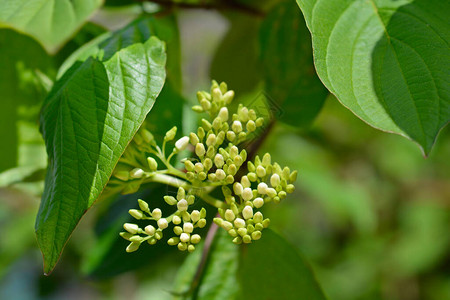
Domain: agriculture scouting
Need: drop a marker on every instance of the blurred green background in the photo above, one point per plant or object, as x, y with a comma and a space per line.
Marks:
370, 213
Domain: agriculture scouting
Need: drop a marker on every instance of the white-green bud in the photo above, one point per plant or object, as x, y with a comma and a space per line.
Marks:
247, 194
228, 97
220, 174
258, 202
195, 239
232, 170
126, 235
182, 205
258, 217
170, 135
191, 248
252, 114
266, 223
176, 220
136, 173
207, 164
243, 113
260, 171
293, 176
242, 231
200, 150
229, 179
181, 193
252, 177
195, 216
237, 188
229, 215
290, 188
162, 223
170, 200
226, 225
201, 223
150, 230
262, 188
189, 165
266, 161
275, 180
247, 212
152, 164
197, 108
217, 123
256, 235
156, 214
178, 230
259, 122
185, 237
182, 143
236, 126
211, 140
133, 247
245, 182
137, 214
143, 205
173, 241
231, 136
251, 126
206, 105
188, 227
271, 192
131, 228
223, 114
193, 138
182, 246
239, 223
218, 160
198, 167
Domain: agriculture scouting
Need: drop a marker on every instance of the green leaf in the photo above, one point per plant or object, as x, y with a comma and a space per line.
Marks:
218, 280
88, 119
271, 268
51, 22
291, 80
387, 61
20, 57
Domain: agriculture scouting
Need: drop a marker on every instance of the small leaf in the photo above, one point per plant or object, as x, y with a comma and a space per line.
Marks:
51, 22
291, 80
87, 120
387, 61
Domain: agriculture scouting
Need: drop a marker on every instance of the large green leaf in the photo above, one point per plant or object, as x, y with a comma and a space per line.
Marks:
270, 268
291, 81
387, 61
51, 22
88, 119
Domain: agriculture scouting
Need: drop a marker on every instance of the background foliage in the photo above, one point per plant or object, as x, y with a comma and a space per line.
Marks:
369, 214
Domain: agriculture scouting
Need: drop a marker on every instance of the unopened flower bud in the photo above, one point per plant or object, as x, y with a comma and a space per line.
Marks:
211, 140
258, 217
245, 182
266, 223
251, 126
170, 135
256, 235
173, 241
259, 122
293, 176
262, 188
223, 114
136, 173
237, 240
200, 150
201, 223
131, 228
242, 231
170, 200
252, 177
236, 126
218, 160
188, 227
220, 174
198, 167
182, 246
195, 216
184, 237
178, 230
228, 97
152, 164
207, 164
176, 220
290, 188
126, 235
182, 143
229, 215
237, 188
226, 225
260, 171
137, 214
251, 167
133, 246
239, 223
275, 180
195, 239
189, 165
182, 205
193, 138
143, 205
229, 179
258, 202
206, 105
247, 212
122, 175
156, 213
247, 194
231, 136
271, 192
150, 230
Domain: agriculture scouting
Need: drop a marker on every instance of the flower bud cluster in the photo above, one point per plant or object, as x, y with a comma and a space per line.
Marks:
184, 222
217, 160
